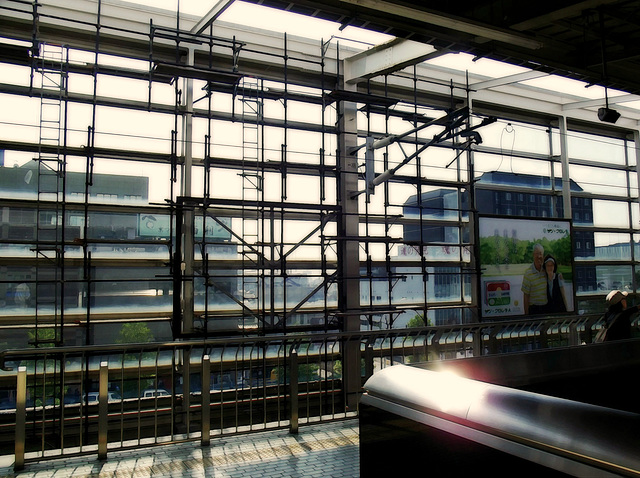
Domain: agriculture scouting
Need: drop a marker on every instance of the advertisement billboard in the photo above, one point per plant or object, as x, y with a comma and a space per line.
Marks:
526, 266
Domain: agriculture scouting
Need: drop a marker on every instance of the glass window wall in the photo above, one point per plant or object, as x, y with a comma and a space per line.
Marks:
253, 201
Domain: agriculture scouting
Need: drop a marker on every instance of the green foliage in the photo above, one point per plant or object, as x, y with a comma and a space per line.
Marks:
307, 372
417, 321
135, 333
562, 250
507, 250
337, 368
47, 335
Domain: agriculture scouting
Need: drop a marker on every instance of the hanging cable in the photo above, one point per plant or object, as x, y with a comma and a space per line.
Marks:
509, 129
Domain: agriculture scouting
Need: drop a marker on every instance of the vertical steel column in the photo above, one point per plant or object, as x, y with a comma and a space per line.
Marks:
636, 147
474, 236
631, 239
348, 247
21, 417
90, 152
187, 151
564, 158
187, 238
205, 438
103, 410
176, 264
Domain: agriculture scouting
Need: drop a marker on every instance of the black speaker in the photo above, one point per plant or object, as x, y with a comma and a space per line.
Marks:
608, 115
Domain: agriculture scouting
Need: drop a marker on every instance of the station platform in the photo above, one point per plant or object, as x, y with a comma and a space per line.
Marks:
318, 450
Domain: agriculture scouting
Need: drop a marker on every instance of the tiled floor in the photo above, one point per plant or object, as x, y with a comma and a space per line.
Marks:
321, 450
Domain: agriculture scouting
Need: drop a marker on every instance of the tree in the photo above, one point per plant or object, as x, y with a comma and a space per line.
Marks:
417, 321
135, 333
45, 335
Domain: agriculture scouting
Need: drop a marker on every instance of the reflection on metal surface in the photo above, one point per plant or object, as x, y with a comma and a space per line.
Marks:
562, 434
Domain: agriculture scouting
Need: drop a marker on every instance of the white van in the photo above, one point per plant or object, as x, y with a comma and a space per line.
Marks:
92, 397
155, 393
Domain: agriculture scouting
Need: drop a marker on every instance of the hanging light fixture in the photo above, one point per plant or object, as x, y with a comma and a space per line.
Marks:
605, 114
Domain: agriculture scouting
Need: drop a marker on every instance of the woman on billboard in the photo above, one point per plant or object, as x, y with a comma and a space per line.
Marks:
556, 300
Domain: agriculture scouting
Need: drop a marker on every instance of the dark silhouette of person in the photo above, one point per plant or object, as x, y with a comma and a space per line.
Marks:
618, 316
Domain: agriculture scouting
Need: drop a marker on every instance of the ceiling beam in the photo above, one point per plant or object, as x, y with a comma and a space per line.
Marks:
386, 58
211, 16
612, 100
449, 21
508, 80
559, 14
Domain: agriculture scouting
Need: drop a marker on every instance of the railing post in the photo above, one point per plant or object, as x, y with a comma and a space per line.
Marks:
477, 342
494, 347
205, 438
21, 417
544, 336
103, 410
435, 343
574, 335
368, 361
589, 333
426, 346
186, 388
293, 380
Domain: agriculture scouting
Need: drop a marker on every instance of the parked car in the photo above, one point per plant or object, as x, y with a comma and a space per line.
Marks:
159, 392
92, 397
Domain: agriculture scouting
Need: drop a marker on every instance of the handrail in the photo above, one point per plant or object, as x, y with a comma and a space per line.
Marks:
254, 382
494, 328
558, 433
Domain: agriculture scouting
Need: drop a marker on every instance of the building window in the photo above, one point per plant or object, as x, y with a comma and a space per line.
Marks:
106, 196
21, 216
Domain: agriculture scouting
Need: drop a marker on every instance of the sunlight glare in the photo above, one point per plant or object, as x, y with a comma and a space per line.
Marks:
453, 393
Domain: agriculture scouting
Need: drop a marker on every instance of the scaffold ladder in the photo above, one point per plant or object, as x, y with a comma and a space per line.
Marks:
252, 193
51, 68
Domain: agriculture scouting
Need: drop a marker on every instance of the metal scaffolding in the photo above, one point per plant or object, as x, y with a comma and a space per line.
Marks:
241, 249
50, 67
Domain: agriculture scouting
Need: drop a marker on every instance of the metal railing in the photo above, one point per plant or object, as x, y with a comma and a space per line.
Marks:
86, 400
